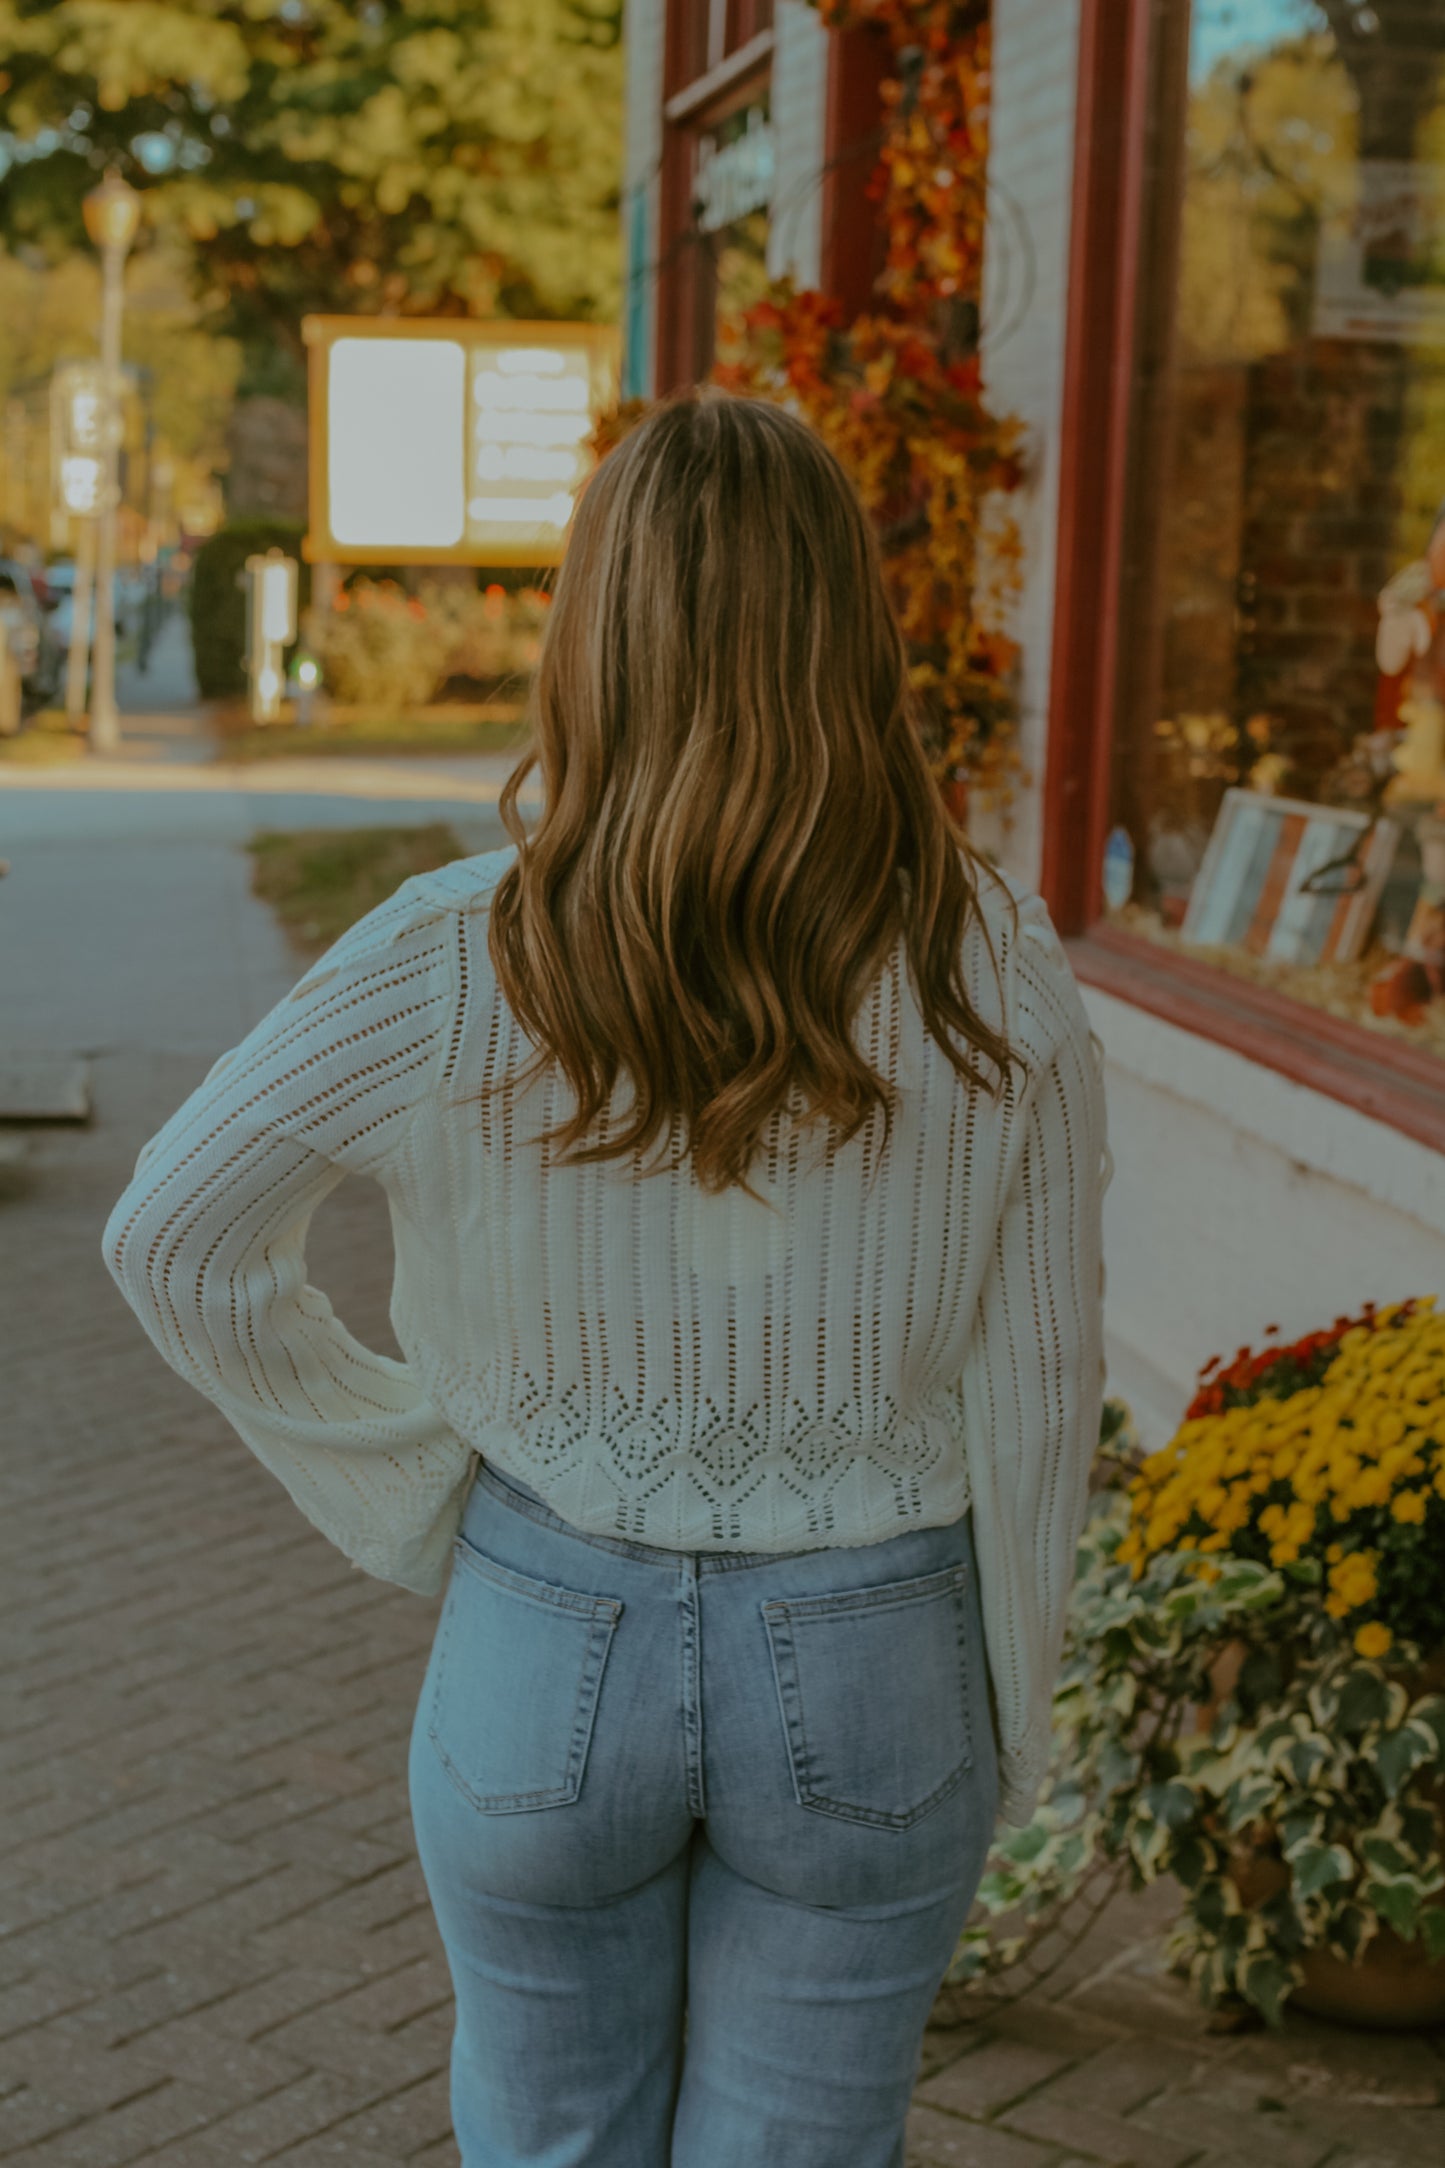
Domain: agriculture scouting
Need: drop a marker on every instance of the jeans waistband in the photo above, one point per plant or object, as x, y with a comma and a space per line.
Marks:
496, 1481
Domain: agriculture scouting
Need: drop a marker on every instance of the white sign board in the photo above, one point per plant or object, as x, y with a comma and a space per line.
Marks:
77, 436
395, 409
734, 173
451, 441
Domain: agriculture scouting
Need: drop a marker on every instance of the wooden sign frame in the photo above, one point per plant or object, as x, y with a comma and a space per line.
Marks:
601, 342
1251, 890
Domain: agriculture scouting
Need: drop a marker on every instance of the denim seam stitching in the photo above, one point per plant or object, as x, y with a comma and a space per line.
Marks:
689, 1654
531, 1590
894, 1595
965, 1677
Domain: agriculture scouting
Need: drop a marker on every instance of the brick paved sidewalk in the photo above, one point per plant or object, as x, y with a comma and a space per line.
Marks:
215, 1945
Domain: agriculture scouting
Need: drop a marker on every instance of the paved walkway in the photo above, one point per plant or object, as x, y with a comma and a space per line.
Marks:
215, 1946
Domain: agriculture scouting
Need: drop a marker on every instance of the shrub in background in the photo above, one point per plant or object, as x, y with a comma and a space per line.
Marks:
218, 603
491, 636
379, 646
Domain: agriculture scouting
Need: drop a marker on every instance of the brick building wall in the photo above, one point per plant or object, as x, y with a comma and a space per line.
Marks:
1325, 438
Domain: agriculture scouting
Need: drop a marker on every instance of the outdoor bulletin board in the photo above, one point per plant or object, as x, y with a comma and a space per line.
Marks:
440, 440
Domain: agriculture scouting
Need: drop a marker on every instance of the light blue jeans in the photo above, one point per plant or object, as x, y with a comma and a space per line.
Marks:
701, 1831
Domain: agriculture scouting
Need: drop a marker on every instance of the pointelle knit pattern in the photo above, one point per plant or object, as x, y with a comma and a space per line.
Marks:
892, 1335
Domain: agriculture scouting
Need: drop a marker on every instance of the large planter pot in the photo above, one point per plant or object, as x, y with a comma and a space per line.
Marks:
1394, 1984
1392, 1987
1223, 1677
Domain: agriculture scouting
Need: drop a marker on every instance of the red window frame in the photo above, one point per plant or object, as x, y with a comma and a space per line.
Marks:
718, 56
1396, 1083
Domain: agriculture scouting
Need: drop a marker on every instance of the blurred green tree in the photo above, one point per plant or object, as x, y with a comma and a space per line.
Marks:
407, 156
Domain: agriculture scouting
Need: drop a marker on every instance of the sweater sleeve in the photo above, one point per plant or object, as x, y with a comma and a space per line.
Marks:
208, 1242
1033, 1384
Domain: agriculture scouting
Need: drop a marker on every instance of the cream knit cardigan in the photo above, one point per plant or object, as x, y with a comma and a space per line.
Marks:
890, 1336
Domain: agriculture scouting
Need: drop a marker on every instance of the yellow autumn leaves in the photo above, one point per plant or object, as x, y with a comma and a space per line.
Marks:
1287, 1476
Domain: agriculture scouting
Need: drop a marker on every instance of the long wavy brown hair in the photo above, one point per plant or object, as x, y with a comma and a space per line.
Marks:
733, 785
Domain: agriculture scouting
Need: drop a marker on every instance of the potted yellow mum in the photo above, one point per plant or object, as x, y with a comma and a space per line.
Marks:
1253, 1692
1329, 1450
1324, 1461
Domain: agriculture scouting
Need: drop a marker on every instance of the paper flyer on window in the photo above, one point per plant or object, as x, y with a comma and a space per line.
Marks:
1380, 272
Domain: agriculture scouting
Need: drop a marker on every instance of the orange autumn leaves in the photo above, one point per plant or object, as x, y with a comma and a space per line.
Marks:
897, 396
931, 178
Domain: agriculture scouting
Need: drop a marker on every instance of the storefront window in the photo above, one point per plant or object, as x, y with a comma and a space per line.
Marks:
732, 190
717, 178
1278, 780
704, 32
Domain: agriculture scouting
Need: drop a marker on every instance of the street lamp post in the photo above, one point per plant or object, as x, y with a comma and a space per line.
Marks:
112, 213
77, 438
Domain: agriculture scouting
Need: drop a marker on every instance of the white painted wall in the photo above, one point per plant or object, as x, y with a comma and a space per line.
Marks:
1031, 154
1242, 1200
799, 114
643, 31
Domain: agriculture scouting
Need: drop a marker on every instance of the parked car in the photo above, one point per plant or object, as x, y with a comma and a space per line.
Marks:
60, 579
28, 631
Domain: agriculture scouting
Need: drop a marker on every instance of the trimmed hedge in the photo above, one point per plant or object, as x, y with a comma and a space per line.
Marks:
218, 603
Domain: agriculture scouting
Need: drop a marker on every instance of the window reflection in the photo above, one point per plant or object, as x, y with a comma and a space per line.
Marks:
1279, 778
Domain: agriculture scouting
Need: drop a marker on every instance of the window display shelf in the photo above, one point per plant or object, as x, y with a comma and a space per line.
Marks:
1372, 1070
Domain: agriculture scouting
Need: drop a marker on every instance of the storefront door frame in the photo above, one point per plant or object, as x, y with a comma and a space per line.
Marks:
1108, 264
1102, 307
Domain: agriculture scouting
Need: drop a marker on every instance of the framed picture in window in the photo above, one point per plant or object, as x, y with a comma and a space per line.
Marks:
1294, 882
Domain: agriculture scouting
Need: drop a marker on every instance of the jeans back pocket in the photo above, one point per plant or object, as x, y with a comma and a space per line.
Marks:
873, 1688
515, 1682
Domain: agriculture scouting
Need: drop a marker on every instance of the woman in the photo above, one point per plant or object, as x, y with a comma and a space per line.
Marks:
744, 1145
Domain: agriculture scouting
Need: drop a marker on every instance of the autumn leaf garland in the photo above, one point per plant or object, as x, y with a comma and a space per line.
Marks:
897, 393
